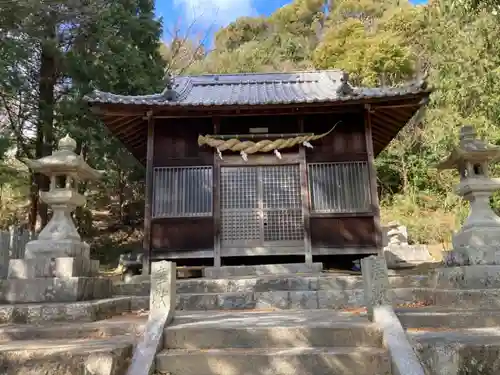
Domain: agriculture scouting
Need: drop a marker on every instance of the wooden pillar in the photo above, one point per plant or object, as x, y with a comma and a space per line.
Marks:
372, 172
216, 198
304, 192
148, 199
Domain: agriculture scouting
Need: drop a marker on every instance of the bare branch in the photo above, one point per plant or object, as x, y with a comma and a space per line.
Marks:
178, 43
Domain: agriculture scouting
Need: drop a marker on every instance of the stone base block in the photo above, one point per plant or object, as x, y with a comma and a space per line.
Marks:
56, 249
74, 267
467, 256
404, 256
30, 268
58, 267
46, 267
265, 269
466, 277
70, 289
475, 245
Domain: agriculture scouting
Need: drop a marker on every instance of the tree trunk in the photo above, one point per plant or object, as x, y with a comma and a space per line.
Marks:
121, 197
34, 203
83, 218
46, 87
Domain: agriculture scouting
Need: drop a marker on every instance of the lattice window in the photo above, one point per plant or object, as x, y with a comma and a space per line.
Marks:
339, 187
182, 191
281, 187
261, 205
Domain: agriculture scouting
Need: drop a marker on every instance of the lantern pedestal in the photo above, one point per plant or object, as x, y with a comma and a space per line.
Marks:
57, 266
478, 241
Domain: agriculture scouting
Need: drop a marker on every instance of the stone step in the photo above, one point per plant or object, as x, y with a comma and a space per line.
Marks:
281, 329
280, 300
66, 357
322, 299
30, 313
277, 361
439, 317
120, 326
460, 298
263, 269
268, 283
464, 351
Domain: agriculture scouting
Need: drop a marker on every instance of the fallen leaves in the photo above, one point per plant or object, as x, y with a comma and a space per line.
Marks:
356, 311
429, 329
415, 304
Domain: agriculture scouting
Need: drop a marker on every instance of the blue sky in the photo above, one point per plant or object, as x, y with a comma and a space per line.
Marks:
209, 15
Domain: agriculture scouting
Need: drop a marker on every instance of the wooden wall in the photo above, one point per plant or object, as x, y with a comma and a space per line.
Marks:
346, 142
342, 231
176, 144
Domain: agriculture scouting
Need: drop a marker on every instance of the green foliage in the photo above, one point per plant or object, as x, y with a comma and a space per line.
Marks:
114, 46
52, 54
282, 42
386, 42
372, 58
243, 30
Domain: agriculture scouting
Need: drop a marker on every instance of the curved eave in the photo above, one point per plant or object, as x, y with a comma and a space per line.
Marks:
80, 170
128, 122
459, 155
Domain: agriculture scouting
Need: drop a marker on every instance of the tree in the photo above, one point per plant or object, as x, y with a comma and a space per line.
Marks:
114, 46
71, 48
183, 49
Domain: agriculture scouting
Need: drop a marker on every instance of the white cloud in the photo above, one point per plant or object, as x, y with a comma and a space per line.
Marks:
215, 12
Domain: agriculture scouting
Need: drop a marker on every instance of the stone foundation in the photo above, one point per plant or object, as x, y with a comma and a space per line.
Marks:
62, 279
466, 277
468, 255
56, 249
54, 289
50, 267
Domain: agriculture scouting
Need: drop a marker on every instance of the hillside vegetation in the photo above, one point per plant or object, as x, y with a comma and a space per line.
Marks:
53, 53
386, 42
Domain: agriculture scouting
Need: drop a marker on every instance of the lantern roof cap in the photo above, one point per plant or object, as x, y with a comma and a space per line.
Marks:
64, 161
470, 149
66, 144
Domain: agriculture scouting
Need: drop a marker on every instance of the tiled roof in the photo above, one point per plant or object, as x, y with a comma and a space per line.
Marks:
258, 88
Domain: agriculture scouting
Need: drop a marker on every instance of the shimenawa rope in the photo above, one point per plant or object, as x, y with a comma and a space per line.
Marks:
248, 147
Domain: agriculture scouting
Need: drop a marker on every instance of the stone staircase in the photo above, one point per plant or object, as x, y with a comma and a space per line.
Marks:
457, 331
304, 291
455, 340
281, 324
301, 342
98, 348
259, 324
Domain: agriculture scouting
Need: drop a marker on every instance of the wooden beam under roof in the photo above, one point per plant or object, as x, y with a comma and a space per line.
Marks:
130, 128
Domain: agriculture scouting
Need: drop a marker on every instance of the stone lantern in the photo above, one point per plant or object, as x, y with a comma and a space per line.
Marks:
57, 266
65, 170
478, 241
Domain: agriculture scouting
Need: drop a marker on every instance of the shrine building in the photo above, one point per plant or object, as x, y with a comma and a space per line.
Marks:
259, 168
